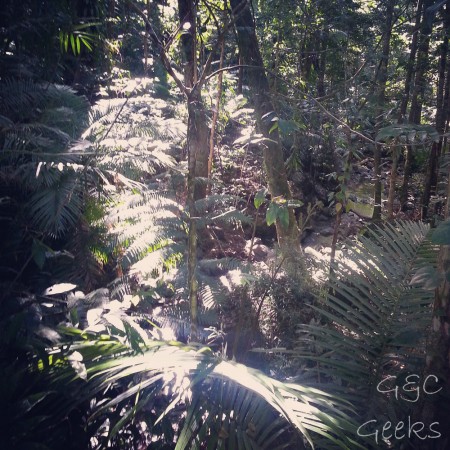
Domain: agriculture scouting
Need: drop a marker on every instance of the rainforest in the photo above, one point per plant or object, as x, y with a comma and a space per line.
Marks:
224, 224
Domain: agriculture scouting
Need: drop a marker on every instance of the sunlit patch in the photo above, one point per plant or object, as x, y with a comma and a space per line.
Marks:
232, 279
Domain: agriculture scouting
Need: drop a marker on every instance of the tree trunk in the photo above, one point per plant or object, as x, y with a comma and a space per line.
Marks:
435, 409
198, 130
197, 147
215, 113
322, 63
287, 233
147, 31
441, 118
415, 113
393, 178
411, 64
381, 81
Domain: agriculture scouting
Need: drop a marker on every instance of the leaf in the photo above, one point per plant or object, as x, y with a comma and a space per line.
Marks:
283, 215
272, 213
78, 45
260, 198
72, 44
86, 43
373, 320
59, 288
427, 278
39, 250
287, 126
441, 235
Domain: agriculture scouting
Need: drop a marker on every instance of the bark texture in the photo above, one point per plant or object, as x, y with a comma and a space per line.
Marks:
287, 234
381, 80
431, 174
417, 96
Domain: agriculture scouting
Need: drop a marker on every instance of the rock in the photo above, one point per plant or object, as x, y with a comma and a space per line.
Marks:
327, 231
314, 253
260, 252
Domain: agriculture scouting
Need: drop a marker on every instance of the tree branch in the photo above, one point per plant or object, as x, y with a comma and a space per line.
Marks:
162, 52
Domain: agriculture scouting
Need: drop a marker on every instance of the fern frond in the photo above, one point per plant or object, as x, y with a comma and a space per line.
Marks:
56, 209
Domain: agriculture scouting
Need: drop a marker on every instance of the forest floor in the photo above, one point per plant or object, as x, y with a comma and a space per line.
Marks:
238, 173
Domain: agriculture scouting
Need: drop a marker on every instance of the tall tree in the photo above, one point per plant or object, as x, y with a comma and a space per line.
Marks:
417, 96
438, 348
442, 115
410, 64
286, 225
198, 128
381, 80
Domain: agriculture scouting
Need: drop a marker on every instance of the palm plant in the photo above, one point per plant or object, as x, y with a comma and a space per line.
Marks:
374, 322
186, 395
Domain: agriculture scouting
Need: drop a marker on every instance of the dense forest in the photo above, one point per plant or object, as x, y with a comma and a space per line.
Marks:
225, 224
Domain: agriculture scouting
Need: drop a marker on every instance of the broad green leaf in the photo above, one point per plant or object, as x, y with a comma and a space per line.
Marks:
38, 250
287, 126
260, 198
283, 215
273, 127
272, 213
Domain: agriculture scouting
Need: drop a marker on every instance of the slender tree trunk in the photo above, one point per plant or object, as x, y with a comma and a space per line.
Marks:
146, 38
111, 15
215, 112
197, 147
431, 174
322, 63
240, 77
381, 81
393, 178
411, 65
198, 130
287, 233
415, 112
435, 409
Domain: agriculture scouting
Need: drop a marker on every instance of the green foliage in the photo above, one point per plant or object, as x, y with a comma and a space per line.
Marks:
408, 133
226, 404
442, 233
44, 179
374, 319
77, 38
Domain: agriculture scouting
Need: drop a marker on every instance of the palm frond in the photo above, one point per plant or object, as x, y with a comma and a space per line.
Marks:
375, 317
227, 405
